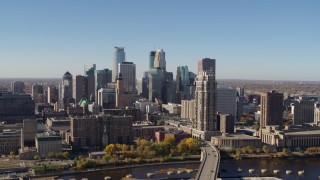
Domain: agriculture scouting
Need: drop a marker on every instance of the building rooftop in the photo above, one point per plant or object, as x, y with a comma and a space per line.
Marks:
304, 132
235, 136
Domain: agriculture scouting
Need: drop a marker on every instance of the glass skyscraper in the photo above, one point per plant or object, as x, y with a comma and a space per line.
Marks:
119, 56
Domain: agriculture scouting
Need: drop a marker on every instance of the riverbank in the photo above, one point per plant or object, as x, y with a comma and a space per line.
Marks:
270, 156
111, 168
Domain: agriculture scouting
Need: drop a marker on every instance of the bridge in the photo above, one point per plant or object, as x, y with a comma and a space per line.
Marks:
210, 160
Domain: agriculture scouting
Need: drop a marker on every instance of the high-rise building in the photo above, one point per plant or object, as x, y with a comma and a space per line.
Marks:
123, 99
205, 121
160, 59
271, 109
89, 69
303, 110
156, 83
53, 96
151, 59
107, 98
119, 56
128, 71
226, 101
102, 78
240, 91
80, 88
182, 78
17, 87
36, 90
16, 107
66, 87
144, 87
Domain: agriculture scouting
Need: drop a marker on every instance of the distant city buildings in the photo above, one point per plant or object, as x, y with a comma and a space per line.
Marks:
66, 88
48, 143
17, 87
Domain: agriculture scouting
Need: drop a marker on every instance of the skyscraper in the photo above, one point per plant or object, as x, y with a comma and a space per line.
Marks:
303, 110
128, 71
227, 101
37, 89
119, 56
205, 121
66, 87
17, 87
89, 69
80, 88
102, 78
52, 94
151, 59
271, 109
160, 59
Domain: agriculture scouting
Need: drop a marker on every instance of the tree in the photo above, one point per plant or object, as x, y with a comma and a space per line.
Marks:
36, 157
65, 155
265, 149
12, 153
169, 140
110, 149
286, 152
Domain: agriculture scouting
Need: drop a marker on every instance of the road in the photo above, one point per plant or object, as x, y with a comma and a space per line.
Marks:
209, 167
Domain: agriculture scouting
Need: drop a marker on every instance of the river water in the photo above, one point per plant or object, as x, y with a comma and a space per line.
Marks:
228, 169
139, 173
311, 167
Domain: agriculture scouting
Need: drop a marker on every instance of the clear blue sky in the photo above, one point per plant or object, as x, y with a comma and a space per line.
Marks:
251, 39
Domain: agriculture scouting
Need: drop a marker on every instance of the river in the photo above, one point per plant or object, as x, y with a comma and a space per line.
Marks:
311, 167
228, 169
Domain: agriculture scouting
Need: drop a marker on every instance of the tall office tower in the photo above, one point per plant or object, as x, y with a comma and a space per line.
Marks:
102, 78
128, 71
240, 91
66, 87
52, 95
17, 87
303, 110
271, 109
80, 88
89, 69
36, 90
239, 108
160, 59
205, 121
119, 56
107, 98
156, 83
182, 80
144, 82
227, 101
123, 99
151, 59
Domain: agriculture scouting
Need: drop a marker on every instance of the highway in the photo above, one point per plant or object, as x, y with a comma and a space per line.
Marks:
209, 167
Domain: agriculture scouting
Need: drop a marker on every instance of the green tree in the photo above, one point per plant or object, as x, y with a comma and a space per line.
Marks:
265, 149
65, 155
36, 157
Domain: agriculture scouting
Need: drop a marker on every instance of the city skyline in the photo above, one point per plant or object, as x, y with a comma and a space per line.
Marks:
243, 36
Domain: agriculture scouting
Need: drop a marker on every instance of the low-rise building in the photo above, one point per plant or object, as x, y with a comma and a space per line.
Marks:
48, 142
230, 141
171, 108
146, 131
291, 136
